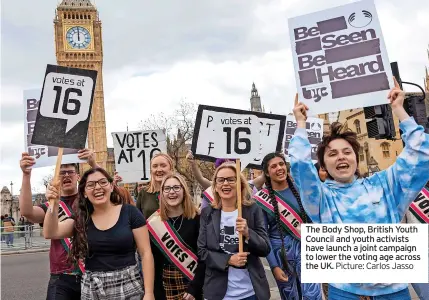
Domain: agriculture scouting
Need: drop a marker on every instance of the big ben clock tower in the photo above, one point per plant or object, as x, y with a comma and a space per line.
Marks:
78, 44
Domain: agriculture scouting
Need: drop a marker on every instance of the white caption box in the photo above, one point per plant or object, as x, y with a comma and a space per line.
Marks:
364, 253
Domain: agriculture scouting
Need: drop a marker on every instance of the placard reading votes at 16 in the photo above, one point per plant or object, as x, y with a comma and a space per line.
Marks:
44, 155
314, 128
133, 152
226, 133
340, 59
65, 107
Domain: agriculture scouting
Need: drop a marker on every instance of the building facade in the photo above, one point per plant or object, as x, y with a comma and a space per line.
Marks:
9, 204
78, 44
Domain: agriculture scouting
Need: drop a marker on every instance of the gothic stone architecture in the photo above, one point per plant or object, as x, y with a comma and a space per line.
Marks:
78, 44
9, 204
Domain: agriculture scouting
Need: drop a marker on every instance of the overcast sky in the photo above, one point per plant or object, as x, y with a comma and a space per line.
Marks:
208, 52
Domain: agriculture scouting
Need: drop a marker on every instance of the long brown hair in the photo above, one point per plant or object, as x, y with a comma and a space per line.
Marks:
151, 186
245, 189
189, 208
124, 194
79, 249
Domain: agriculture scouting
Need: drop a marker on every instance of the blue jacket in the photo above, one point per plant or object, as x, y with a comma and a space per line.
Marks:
381, 198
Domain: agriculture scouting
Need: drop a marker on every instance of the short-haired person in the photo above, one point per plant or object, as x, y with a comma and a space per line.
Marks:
229, 274
106, 234
345, 197
64, 282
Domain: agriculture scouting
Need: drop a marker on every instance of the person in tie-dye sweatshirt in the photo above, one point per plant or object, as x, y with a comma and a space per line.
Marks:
345, 197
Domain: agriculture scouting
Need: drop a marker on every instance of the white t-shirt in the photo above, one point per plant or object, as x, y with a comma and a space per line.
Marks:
239, 283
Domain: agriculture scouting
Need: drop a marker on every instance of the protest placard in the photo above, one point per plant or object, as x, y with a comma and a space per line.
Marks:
314, 127
65, 107
340, 58
231, 133
133, 152
44, 155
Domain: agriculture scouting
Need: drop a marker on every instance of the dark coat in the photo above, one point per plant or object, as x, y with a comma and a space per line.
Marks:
209, 251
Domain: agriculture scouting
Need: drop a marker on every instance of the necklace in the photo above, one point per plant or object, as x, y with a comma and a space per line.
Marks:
175, 220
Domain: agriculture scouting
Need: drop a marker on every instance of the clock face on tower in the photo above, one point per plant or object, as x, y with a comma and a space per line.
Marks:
78, 37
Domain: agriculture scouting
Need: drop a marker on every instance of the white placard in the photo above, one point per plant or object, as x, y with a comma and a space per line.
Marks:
340, 58
364, 253
314, 129
44, 155
221, 133
133, 152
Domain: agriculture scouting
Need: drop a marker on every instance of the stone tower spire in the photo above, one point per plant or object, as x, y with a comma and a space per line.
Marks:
255, 100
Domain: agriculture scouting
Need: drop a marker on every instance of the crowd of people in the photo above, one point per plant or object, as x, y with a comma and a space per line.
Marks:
105, 246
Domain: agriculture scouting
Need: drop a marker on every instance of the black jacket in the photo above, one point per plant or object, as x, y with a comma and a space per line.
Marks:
209, 251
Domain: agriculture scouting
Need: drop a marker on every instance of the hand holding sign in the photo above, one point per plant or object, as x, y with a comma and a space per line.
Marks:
223, 134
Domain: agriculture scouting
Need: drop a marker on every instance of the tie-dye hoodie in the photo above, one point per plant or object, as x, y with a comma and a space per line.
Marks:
381, 198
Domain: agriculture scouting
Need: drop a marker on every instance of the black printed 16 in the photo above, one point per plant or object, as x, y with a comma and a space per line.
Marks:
67, 100
245, 149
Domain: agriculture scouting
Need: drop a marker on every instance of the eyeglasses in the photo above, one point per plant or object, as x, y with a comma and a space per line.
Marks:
90, 185
221, 180
67, 172
175, 188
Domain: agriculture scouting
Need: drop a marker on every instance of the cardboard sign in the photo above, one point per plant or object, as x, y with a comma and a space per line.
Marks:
340, 58
44, 155
133, 152
65, 107
314, 131
231, 133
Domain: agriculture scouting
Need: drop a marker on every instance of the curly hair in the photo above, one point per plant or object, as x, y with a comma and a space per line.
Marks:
265, 165
338, 131
79, 249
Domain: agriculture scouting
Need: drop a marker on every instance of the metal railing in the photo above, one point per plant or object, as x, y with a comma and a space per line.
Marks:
22, 238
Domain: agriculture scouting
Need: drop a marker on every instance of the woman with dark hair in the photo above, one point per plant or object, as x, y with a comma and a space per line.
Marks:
105, 235
232, 275
284, 214
345, 197
174, 232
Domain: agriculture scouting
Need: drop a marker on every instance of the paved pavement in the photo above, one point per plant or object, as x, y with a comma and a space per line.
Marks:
25, 276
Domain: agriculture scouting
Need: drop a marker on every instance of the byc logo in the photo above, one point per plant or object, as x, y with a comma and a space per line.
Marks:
361, 19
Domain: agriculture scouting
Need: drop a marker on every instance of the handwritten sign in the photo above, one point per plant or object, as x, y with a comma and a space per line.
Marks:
133, 152
340, 58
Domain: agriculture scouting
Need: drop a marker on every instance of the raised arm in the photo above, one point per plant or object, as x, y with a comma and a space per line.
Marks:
34, 214
52, 228
410, 172
204, 182
303, 171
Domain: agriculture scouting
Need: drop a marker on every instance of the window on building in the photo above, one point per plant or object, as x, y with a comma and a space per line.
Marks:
385, 147
361, 154
357, 126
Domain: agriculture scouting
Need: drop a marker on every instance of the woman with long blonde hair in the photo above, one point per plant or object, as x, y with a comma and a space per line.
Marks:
230, 274
174, 232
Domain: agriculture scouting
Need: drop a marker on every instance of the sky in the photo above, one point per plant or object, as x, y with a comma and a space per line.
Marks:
207, 52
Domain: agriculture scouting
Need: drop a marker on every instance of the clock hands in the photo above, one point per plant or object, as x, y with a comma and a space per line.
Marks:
78, 37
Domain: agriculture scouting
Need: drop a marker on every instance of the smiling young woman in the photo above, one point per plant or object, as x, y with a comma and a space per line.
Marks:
106, 234
174, 233
229, 274
345, 197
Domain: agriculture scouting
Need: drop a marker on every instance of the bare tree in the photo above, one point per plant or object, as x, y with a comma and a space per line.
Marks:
179, 128
47, 180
